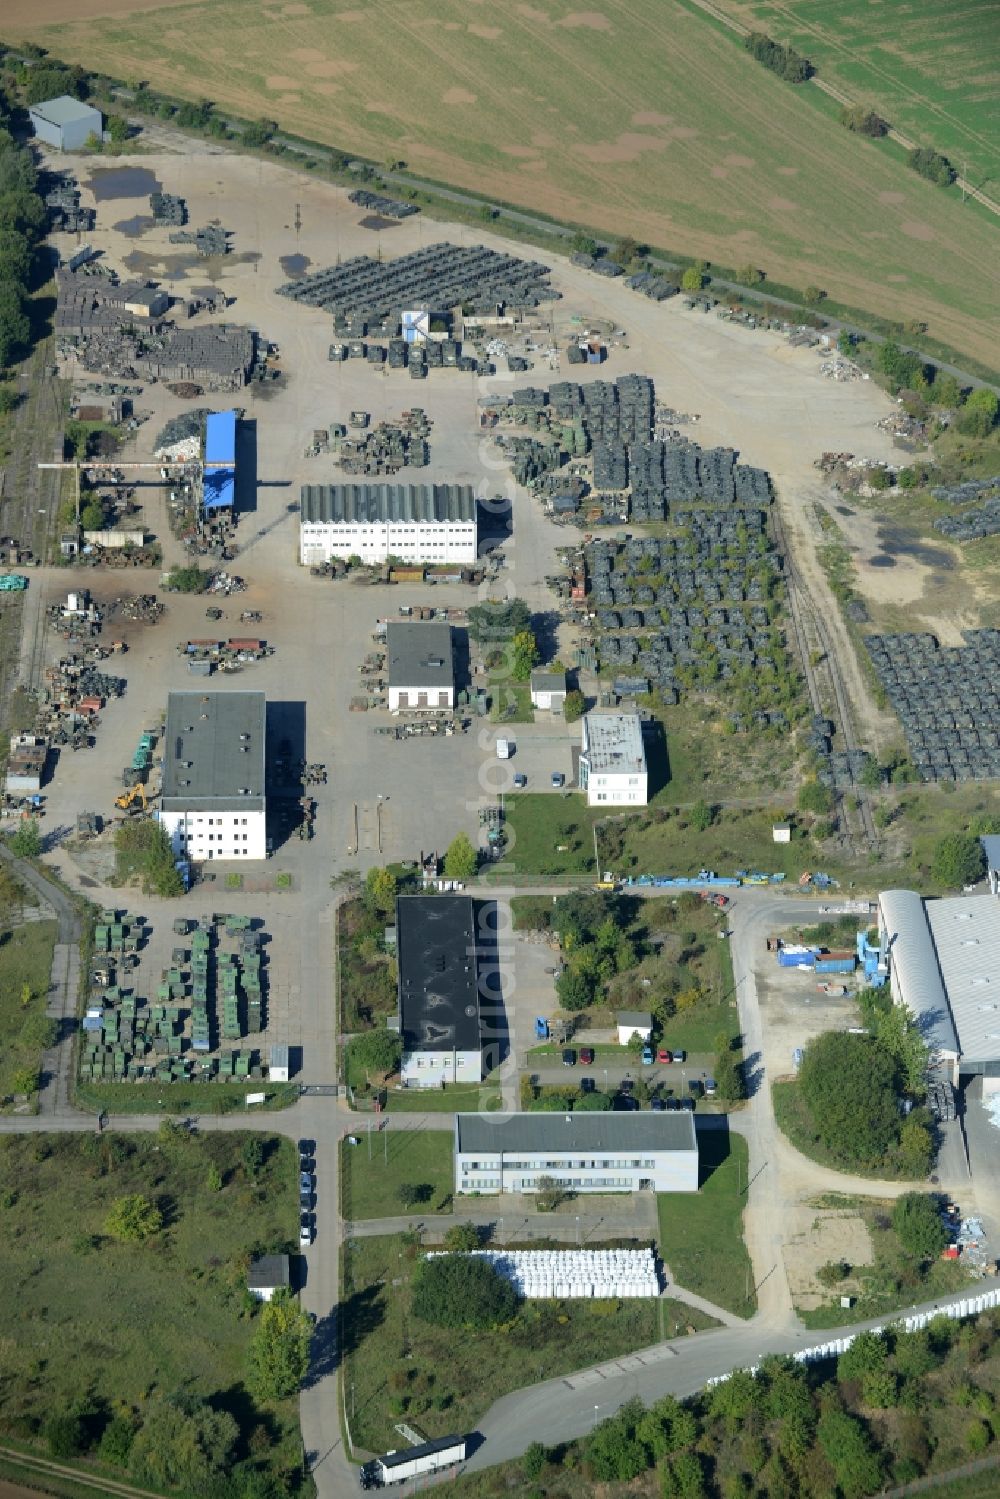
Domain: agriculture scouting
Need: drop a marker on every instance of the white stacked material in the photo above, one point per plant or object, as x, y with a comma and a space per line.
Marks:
565, 1274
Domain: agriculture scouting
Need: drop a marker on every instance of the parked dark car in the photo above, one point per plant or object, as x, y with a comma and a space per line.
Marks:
688, 1103
624, 1103
658, 1105
695, 1088
569, 1057
587, 1085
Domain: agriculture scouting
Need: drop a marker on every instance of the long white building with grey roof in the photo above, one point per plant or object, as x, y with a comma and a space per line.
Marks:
430, 523
643, 1151
213, 803
943, 959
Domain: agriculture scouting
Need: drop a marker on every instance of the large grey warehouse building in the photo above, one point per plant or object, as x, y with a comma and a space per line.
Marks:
943, 959
635, 1152
65, 123
435, 523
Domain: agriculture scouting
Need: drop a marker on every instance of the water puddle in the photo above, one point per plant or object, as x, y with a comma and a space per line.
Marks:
294, 265
123, 182
376, 221
881, 560
134, 227
898, 541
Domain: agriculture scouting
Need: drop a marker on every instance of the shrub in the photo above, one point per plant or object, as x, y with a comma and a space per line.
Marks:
133, 1219
916, 1220
863, 121
849, 1084
932, 165
958, 860
461, 1290
64, 1434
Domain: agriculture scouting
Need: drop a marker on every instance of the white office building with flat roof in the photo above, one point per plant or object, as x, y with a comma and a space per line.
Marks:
212, 803
581, 1152
613, 761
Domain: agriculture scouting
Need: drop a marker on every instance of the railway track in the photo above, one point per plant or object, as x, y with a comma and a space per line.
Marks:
824, 680
41, 1467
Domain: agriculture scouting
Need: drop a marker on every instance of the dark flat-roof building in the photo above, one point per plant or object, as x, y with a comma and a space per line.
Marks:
212, 802
421, 666
438, 990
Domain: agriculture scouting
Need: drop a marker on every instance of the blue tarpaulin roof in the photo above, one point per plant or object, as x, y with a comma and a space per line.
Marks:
220, 448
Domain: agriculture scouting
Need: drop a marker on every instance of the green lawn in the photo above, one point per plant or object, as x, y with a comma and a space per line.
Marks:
114, 1325
701, 1237
25, 958
420, 1158
454, 1098
510, 701
548, 835
795, 1122
398, 1368
182, 1098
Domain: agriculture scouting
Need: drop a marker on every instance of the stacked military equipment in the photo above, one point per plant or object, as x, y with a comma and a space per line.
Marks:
62, 202
212, 240
980, 519
947, 700
440, 276
388, 447
167, 209
389, 208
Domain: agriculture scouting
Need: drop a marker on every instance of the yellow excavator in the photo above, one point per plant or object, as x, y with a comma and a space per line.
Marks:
127, 800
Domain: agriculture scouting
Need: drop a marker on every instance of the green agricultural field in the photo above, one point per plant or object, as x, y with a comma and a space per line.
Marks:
107, 1327
932, 67
641, 117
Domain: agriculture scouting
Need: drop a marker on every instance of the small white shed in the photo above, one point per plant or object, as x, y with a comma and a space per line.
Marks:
633, 1023
781, 832
278, 1069
267, 1274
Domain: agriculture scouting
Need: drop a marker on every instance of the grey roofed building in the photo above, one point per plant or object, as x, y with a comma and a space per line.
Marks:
366, 504
267, 1274
614, 742
213, 751
991, 848
966, 933
915, 974
642, 1130
438, 983
65, 122
420, 655
548, 681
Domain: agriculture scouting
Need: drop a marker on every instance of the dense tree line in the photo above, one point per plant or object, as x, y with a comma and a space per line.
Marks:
887, 1410
785, 61
863, 121
22, 223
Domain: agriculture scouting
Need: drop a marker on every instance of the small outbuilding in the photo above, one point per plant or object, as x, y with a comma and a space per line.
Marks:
65, 123
278, 1070
548, 690
781, 832
633, 1023
267, 1274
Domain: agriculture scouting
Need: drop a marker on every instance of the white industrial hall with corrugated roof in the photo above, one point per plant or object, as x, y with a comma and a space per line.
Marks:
943, 960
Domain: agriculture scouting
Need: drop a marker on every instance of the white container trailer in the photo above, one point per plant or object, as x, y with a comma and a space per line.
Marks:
413, 1462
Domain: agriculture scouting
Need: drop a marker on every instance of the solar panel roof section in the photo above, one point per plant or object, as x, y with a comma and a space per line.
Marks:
219, 485
213, 751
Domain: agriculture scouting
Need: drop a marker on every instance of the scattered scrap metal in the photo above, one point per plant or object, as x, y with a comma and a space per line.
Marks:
385, 449
62, 201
